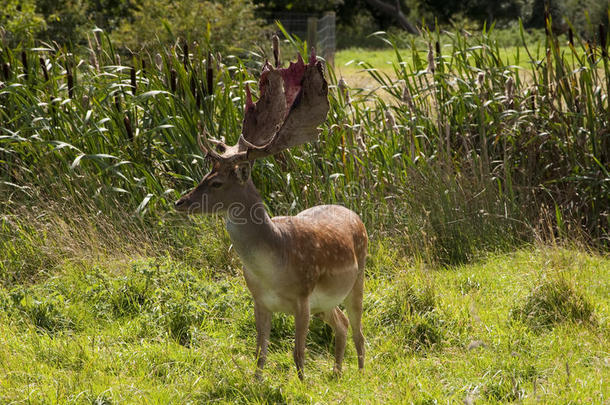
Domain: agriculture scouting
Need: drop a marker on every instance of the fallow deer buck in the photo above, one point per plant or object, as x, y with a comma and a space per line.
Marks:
301, 265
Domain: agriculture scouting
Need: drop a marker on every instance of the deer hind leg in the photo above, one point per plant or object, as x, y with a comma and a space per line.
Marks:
301, 323
353, 306
263, 329
338, 322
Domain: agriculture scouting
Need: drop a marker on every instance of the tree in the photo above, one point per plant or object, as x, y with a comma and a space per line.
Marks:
270, 7
395, 11
65, 20
19, 21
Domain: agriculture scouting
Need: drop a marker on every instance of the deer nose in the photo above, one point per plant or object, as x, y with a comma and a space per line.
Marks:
179, 203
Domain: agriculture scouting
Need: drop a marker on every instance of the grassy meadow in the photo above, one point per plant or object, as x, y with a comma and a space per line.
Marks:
483, 181
528, 326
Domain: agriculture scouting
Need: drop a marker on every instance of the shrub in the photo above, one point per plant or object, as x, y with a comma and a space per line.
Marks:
227, 26
412, 314
19, 21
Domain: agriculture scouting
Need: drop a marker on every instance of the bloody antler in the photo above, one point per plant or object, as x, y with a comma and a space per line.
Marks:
292, 102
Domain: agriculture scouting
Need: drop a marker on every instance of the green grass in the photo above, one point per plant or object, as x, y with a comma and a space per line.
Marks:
347, 60
158, 329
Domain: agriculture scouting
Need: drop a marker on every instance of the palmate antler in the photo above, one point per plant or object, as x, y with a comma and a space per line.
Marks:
293, 102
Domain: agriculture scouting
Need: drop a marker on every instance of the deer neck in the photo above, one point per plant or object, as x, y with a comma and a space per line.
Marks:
250, 227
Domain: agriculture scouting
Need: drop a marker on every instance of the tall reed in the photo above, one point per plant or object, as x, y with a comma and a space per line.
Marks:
465, 152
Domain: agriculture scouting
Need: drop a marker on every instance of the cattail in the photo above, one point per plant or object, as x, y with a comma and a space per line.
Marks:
143, 63
438, 50
209, 75
602, 40
6, 70
24, 61
198, 94
344, 90
70, 82
590, 51
431, 66
571, 37
360, 139
92, 54
481, 81
406, 98
127, 123
533, 101
481, 85
43, 66
172, 80
194, 83
159, 62
117, 102
132, 72
276, 50
390, 120
97, 35
218, 58
85, 102
547, 18
185, 56
93, 61
509, 88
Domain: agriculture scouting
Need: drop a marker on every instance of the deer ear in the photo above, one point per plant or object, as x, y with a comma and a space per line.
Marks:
242, 171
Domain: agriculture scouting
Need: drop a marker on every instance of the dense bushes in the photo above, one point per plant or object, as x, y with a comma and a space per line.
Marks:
134, 25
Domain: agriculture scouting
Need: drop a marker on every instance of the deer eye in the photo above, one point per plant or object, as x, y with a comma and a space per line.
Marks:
216, 184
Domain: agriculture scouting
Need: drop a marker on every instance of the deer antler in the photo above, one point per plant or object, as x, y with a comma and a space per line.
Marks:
228, 153
293, 102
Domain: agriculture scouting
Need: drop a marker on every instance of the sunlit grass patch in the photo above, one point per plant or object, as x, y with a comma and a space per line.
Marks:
432, 334
552, 302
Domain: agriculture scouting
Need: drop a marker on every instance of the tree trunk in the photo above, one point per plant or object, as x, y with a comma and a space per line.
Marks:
395, 12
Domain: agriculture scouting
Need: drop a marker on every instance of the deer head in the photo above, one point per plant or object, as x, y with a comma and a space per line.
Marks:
293, 102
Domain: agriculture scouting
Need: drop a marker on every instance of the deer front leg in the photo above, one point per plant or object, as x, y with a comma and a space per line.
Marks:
262, 318
301, 323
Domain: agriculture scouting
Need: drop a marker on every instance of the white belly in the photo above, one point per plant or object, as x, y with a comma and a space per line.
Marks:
321, 302
275, 303
318, 302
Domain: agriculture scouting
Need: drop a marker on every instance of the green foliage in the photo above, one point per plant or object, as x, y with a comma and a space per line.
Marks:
19, 21
309, 6
228, 26
66, 20
469, 109
453, 163
47, 313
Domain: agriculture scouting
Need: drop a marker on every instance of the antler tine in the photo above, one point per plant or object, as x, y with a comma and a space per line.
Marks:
250, 146
206, 148
231, 153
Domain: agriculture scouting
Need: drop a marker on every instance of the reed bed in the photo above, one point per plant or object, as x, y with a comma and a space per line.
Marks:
466, 152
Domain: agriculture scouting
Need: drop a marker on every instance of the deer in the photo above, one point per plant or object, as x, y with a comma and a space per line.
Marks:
301, 265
